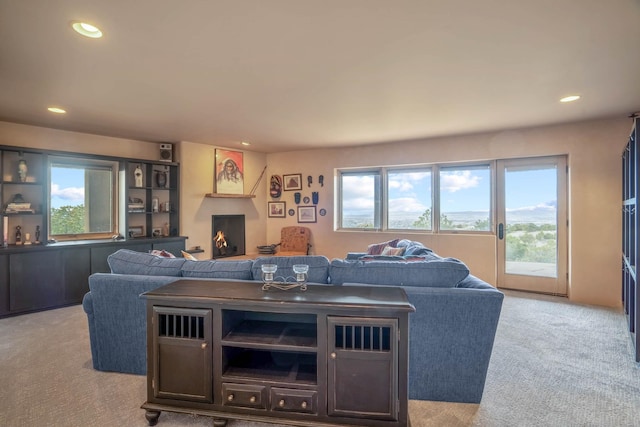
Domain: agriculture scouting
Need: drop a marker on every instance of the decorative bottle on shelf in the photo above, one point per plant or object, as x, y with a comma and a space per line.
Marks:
137, 174
165, 229
22, 170
18, 235
161, 178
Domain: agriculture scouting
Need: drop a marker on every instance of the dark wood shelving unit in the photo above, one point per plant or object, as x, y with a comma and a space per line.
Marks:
331, 355
49, 274
630, 228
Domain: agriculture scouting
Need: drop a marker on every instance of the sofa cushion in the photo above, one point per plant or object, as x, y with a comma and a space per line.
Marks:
126, 261
318, 267
432, 272
212, 269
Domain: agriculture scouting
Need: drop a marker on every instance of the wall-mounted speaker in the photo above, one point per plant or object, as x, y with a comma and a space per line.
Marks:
166, 152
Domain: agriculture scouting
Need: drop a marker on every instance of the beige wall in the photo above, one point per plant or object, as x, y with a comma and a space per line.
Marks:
51, 139
196, 180
593, 150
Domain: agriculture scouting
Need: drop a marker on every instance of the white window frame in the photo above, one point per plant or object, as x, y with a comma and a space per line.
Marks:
382, 200
492, 192
378, 197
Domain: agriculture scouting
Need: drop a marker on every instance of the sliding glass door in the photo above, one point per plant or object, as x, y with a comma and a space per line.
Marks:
532, 224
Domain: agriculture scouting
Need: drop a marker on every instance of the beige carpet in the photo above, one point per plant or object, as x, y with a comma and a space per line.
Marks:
554, 364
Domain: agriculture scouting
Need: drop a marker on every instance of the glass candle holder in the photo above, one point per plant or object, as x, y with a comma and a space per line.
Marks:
301, 272
268, 270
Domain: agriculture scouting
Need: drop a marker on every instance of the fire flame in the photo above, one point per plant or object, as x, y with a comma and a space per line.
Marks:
220, 240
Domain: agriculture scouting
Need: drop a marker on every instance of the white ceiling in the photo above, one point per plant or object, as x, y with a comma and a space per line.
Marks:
290, 74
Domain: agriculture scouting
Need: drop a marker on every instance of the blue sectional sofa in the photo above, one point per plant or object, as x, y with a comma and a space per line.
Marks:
451, 332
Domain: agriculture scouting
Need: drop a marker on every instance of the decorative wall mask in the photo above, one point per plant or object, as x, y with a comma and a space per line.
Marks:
309, 180
275, 189
321, 180
296, 197
315, 197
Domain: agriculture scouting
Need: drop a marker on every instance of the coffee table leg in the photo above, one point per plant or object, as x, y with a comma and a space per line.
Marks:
152, 417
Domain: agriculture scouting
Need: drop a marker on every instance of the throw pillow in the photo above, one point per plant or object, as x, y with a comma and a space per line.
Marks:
377, 248
187, 255
388, 250
162, 253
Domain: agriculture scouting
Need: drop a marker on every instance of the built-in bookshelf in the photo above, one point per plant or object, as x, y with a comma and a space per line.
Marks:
630, 296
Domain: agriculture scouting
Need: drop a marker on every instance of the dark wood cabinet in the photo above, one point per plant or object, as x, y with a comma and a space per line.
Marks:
630, 229
76, 266
35, 283
331, 355
4, 284
38, 275
182, 344
363, 357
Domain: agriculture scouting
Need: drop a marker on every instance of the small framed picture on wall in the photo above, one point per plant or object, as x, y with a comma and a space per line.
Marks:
306, 214
277, 209
292, 182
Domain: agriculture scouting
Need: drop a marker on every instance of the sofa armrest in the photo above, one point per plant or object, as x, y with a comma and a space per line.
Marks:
451, 338
117, 320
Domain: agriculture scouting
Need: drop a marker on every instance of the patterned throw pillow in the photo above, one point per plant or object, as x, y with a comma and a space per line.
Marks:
388, 250
162, 253
377, 248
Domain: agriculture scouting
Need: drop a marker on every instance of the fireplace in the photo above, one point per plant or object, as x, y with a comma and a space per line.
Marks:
227, 235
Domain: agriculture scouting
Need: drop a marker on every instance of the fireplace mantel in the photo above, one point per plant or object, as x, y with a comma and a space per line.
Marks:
230, 196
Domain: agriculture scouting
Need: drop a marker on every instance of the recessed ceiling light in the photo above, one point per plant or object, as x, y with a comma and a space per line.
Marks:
86, 30
245, 143
570, 98
56, 110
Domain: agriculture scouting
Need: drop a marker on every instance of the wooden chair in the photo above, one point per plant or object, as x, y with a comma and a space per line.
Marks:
294, 241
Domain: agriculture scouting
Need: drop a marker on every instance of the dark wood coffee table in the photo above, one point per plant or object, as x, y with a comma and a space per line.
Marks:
331, 355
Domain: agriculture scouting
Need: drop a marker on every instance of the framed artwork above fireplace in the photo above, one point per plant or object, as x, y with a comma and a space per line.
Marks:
229, 172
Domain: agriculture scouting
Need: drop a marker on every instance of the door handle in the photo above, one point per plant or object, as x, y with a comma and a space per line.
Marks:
501, 231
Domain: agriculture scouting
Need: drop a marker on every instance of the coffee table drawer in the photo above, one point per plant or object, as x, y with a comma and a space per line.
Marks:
292, 400
244, 395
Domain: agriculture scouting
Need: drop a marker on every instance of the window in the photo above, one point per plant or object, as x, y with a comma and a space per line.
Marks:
428, 198
360, 199
82, 198
409, 199
465, 198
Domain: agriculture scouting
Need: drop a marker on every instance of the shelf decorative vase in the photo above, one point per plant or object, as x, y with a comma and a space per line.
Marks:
161, 178
22, 170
